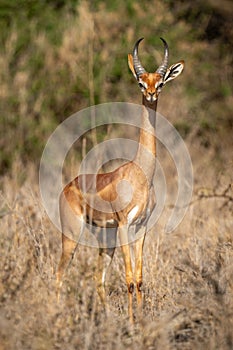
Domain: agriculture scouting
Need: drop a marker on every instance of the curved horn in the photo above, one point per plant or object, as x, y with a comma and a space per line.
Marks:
139, 70
163, 67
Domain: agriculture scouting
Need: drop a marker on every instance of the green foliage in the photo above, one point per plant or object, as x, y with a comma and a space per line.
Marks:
183, 128
60, 56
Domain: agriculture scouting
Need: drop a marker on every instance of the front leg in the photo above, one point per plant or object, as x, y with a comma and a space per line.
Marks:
138, 265
123, 235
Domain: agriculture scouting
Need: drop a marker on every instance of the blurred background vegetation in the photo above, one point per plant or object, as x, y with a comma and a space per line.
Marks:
58, 57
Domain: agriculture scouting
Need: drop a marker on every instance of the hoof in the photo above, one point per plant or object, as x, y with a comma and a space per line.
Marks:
139, 286
131, 288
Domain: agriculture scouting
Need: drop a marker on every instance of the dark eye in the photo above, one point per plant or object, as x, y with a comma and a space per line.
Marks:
141, 86
160, 86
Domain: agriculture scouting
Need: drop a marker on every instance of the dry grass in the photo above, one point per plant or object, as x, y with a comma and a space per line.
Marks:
187, 281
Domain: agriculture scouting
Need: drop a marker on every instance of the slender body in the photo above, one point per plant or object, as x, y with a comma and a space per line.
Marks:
75, 207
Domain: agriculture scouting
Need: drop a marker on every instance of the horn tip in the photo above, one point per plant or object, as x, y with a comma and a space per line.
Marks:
139, 40
163, 40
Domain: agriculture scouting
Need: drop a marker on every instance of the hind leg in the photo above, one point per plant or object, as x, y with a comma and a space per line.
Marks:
68, 249
104, 262
106, 238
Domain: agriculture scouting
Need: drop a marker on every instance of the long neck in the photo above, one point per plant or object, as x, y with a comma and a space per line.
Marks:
146, 152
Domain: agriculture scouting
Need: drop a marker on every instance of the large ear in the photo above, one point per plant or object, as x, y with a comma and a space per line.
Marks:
173, 71
131, 67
